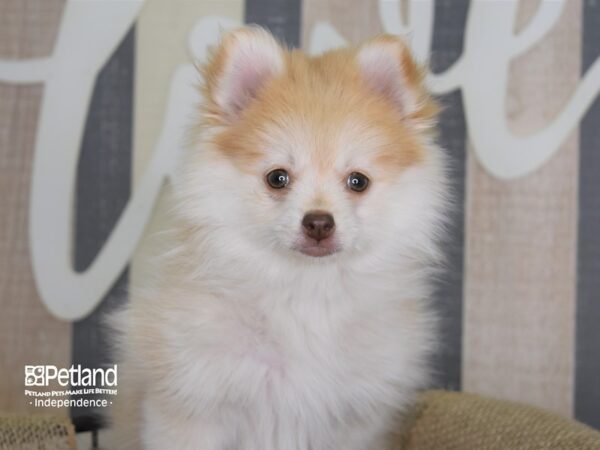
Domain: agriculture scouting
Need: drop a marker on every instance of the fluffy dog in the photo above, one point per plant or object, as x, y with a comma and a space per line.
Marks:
292, 313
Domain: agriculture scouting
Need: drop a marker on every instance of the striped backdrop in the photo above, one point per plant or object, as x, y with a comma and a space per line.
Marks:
520, 296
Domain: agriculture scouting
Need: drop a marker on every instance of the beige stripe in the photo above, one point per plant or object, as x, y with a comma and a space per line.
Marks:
161, 47
521, 236
28, 333
354, 20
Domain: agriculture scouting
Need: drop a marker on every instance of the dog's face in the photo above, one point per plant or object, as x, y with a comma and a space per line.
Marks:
312, 157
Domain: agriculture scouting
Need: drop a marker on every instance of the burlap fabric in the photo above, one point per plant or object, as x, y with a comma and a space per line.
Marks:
441, 421
36, 433
459, 421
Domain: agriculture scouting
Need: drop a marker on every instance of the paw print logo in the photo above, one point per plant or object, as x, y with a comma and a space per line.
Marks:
34, 376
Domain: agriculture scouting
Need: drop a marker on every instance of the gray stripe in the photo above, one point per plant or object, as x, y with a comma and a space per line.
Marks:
103, 188
587, 370
281, 17
447, 45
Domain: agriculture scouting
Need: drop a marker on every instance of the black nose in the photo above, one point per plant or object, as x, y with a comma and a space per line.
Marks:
318, 225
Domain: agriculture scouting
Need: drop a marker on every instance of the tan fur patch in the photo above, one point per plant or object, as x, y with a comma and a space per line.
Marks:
324, 94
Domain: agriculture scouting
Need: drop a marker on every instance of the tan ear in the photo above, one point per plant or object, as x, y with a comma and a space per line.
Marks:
388, 68
244, 62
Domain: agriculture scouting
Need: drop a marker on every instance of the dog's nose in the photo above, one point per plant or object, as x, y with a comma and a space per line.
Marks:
318, 225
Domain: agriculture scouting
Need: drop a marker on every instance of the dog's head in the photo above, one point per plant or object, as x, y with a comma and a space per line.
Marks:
311, 157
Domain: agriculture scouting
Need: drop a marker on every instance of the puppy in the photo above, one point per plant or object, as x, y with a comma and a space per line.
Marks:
292, 312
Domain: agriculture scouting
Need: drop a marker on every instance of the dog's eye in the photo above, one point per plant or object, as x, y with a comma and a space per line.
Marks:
278, 178
357, 182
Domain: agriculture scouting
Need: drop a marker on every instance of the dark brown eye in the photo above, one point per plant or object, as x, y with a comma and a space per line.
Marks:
278, 178
357, 182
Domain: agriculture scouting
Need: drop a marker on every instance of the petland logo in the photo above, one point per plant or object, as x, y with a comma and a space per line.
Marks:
82, 387
75, 376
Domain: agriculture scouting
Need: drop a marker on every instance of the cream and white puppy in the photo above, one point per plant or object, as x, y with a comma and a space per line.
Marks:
292, 314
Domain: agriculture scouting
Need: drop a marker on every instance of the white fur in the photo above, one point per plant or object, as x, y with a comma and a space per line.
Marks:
244, 343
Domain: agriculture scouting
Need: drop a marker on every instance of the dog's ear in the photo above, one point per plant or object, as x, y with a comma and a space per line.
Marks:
246, 60
388, 68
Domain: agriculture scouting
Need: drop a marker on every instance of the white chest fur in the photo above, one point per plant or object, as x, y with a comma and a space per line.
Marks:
313, 358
